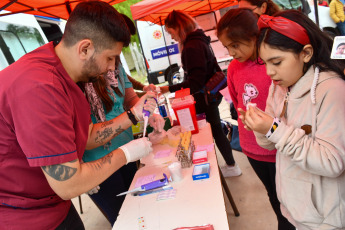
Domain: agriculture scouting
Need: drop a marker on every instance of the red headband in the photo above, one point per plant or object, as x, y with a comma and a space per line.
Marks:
285, 27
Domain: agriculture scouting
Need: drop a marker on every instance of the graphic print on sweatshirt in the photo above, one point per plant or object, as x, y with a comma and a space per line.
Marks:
250, 92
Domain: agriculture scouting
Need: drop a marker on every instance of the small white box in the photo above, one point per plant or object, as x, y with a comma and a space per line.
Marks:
199, 157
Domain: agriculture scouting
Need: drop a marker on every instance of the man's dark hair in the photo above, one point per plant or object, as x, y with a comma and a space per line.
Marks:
97, 21
130, 24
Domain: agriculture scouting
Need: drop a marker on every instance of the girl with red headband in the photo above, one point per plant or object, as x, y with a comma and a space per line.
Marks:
248, 83
303, 120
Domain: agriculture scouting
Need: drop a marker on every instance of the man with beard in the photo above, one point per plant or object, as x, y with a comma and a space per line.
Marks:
45, 123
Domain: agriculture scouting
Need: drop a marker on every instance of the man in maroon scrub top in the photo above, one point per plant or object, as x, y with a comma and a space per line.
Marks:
45, 123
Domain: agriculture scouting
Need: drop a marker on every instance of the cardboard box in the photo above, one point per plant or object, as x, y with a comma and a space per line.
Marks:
201, 171
199, 157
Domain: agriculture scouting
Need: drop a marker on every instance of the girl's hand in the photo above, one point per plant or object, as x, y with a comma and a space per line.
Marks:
258, 120
242, 116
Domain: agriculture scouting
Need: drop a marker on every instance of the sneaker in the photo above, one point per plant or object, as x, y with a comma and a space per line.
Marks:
231, 171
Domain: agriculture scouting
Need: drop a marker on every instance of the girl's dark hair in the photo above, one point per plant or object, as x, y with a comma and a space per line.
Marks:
130, 24
181, 22
271, 9
101, 89
238, 24
320, 41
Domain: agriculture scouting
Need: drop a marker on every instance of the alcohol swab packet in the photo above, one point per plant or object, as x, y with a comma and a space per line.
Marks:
167, 194
250, 104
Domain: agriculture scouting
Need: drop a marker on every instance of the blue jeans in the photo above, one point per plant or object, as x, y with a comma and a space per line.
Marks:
341, 27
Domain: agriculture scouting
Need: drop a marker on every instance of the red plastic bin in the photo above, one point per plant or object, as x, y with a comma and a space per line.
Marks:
184, 109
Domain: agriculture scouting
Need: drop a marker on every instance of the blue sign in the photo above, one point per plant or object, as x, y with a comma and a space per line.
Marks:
162, 52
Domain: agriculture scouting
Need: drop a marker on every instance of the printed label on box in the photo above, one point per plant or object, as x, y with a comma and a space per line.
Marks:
185, 119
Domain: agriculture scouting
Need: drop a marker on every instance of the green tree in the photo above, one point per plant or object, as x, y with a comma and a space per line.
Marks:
125, 8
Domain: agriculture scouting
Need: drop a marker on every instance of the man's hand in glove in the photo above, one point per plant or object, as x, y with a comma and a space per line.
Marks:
137, 149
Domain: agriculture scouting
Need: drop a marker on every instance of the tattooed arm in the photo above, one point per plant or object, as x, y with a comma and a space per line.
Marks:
73, 178
101, 133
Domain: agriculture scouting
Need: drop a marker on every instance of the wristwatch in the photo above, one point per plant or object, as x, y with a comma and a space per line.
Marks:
132, 117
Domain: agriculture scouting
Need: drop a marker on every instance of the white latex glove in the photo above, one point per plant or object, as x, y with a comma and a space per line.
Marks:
157, 122
150, 87
94, 190
137, 149
149, 105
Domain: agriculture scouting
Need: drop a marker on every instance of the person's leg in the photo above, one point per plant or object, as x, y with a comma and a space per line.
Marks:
266, 172
212, 116
341, 27
106, 198
222, 142
72, 221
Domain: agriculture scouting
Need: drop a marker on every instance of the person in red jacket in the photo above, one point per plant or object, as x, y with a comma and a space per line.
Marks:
322, 3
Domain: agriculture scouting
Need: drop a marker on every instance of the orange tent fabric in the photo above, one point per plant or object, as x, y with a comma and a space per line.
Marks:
157, 10
48, 8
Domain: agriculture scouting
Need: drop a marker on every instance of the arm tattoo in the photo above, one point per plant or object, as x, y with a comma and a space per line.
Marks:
118, 131
60, 172
106, 133
106, 123
99, 163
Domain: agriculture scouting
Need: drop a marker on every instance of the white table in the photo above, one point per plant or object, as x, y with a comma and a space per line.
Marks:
196, 202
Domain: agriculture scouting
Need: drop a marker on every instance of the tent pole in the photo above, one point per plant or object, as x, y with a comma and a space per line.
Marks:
166, 48
141, 46
316, 12
68, 7
8, 4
